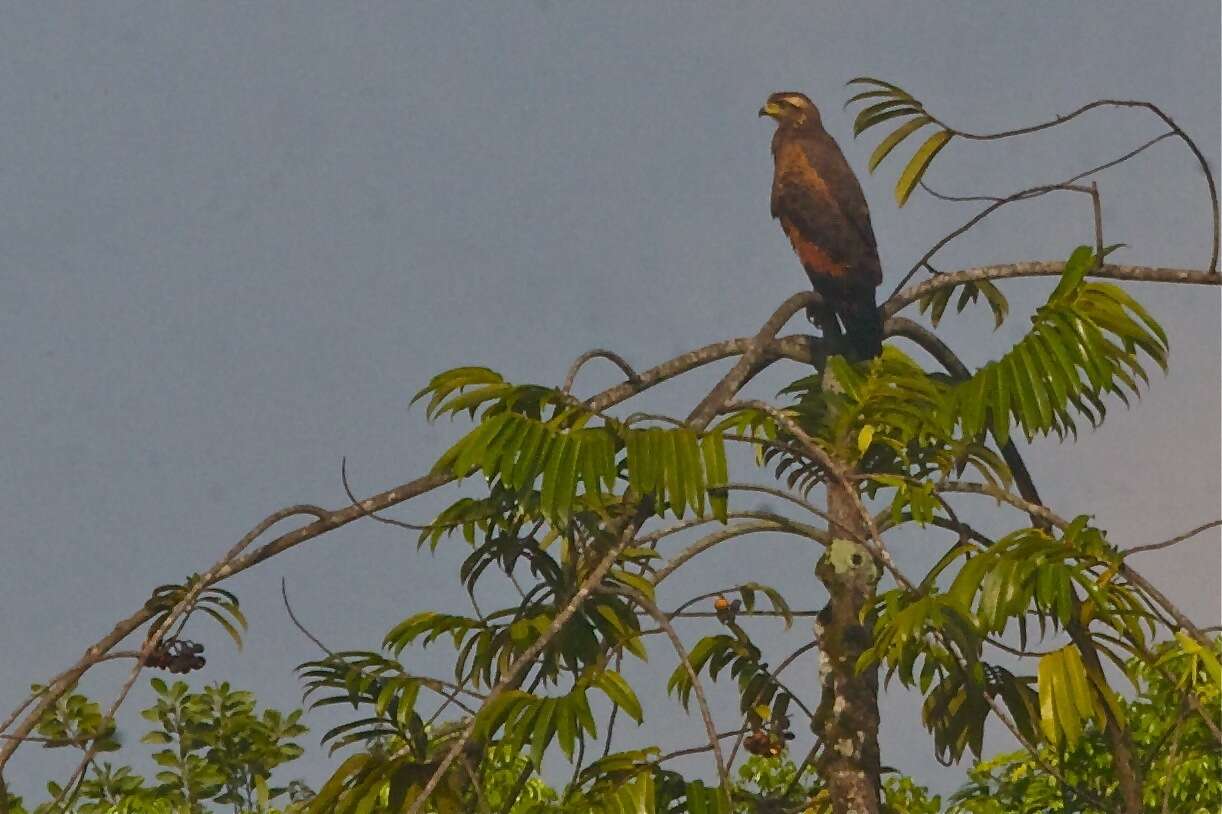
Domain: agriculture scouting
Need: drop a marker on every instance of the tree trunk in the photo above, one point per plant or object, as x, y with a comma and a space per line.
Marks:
1128, 774
847, 718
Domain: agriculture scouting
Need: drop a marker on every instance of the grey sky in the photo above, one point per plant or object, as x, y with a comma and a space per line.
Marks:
236, 238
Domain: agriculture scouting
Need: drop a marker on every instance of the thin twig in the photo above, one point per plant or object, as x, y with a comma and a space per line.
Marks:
661, 419
806, 761
1173, 541
284, 593
1014, 651
798, 347
343, 476
942, 196
1121, 103
997, 493
1021, 195
704, 747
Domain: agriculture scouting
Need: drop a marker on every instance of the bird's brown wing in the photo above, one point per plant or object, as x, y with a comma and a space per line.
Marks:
823, 211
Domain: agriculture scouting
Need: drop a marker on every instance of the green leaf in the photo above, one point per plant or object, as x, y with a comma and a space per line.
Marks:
676, 484
1079, 262
713, 450
869, 80
634, 581
917, 165
880, 111
261, 793
997, 301
566, 728
888, 144
1081, 346
864, 437
544, 728
869, 94
621, 693
224, 623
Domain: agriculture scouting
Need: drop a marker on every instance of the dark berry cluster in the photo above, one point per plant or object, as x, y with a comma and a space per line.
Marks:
177, 656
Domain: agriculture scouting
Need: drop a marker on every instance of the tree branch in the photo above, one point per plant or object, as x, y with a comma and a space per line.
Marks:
597, 353
1036, 268
755, 353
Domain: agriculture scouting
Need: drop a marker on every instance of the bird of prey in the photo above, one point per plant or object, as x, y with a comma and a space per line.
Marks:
820, 205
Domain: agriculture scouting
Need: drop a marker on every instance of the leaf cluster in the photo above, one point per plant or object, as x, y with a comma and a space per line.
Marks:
883, 102
539, 445
934, 640
220, 605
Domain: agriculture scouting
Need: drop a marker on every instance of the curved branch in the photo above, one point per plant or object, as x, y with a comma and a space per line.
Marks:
1166, 604
702, 700
183, 606
684, 525
597, 353
780, 524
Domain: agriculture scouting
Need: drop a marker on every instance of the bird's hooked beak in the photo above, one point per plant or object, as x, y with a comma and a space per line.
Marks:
771, 109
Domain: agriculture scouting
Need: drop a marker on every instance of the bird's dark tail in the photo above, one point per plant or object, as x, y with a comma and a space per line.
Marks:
863, 326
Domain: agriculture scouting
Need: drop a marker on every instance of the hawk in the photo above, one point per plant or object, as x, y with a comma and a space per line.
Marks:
820, 205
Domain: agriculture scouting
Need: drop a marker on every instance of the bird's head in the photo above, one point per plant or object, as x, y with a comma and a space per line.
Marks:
791, 108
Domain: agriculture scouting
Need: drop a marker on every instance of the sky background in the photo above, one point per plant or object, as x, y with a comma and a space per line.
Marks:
236, 238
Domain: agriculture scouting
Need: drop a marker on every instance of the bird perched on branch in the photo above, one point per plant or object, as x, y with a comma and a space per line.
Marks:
820, 205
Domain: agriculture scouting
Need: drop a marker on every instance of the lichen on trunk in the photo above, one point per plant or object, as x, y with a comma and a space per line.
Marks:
847, 718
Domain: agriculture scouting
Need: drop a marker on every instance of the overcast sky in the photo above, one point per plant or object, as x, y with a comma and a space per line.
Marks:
236, 238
